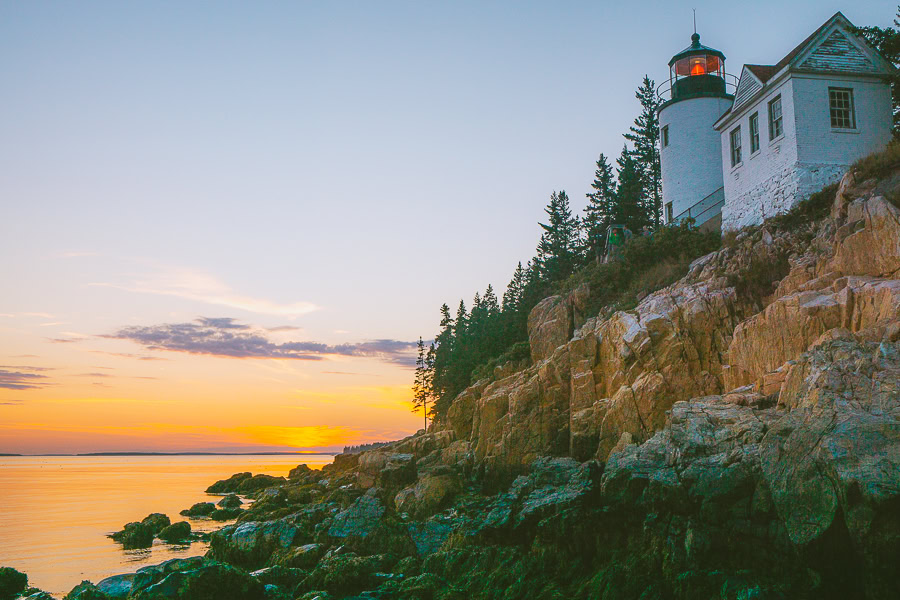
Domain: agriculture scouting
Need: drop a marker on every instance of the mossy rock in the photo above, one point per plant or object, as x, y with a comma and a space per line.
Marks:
12, 583
156, 522
134, 535
86, 591
230, 501
200, 509
176, 532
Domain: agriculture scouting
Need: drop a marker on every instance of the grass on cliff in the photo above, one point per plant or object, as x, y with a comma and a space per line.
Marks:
648, 264
878, 165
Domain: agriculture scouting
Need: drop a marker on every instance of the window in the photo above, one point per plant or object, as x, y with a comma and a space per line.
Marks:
735, 146
840, 101
776, 127
754, 132
669, 215
665, 136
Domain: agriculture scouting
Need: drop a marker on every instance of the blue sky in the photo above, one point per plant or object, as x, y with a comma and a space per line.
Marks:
333, 169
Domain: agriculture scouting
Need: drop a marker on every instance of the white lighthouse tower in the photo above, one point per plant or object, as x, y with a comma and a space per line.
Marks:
691, 149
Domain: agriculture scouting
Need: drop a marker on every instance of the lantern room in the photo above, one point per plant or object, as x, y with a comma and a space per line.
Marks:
697, 71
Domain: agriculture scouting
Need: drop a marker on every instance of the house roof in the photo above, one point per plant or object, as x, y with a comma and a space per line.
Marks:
765, 72
762, 72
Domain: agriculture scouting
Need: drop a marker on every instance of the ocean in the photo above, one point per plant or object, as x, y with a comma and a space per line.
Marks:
55, 512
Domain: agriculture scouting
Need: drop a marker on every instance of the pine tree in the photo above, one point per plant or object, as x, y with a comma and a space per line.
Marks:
601, 209
558, 247
442, 361
420, 383
886, 40
512, 297
629, 190
645, 137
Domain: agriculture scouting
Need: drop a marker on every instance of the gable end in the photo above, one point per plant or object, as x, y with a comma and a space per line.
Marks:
838, 54
746, 88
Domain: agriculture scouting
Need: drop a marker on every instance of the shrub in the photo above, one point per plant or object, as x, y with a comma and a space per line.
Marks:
878, 164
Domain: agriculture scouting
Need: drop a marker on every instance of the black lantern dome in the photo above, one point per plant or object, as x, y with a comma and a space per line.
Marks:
697, 71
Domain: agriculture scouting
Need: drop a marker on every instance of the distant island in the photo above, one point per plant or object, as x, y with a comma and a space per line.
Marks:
299, 452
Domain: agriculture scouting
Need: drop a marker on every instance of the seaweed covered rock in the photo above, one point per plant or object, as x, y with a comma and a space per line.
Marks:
12, 582
230, 501
250, 544
176, 532
431, 493
200, 509
86, 591
208, 581
117, 586
226, 514
230, 485
135, 535
156, 522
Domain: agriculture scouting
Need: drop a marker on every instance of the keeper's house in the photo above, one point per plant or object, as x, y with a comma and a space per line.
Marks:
786, 131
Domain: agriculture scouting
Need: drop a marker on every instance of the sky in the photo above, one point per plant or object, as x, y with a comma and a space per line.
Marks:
225, 224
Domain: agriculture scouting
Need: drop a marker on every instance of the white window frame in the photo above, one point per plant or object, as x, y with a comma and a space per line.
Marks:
754, 133
665, 136
735, 144
849, 109
776, 122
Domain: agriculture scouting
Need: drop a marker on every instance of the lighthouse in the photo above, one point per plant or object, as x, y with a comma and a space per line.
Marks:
690, 148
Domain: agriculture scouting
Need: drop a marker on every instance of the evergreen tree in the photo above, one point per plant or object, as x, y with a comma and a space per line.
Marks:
513, 294
644, 134
558, 247
420, 383
601, 209
886, 40
629, 191
442, 360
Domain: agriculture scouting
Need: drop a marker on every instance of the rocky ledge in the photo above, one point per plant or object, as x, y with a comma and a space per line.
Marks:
734, 436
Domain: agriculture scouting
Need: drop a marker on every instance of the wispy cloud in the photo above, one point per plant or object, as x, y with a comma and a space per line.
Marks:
199, 286
227, 337
21, 380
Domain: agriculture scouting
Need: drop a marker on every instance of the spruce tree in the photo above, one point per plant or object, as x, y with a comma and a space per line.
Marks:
558, 247
442, 360
629, 191
644, 134
420, 383
886, 40
601, 209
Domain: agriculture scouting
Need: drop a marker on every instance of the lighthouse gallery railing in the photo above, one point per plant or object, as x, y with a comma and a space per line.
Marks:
705, 209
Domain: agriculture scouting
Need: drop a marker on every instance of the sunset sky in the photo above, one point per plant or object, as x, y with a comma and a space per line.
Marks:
224, 225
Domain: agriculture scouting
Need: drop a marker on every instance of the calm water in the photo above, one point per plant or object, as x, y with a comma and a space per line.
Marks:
55, 512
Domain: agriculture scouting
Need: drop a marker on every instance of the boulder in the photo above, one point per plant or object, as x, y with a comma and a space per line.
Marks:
12, 582
259, 482
366, 527
156, 522
230, 501
85, 591
200, 509
386, 470
134, 535
226, 514
252, 543
430, 494
117, 586
299, 471
230, 485
346, 574
300, 557
176, 532
209, 581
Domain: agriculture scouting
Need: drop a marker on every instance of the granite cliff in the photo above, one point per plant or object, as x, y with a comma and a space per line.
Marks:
736, 435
